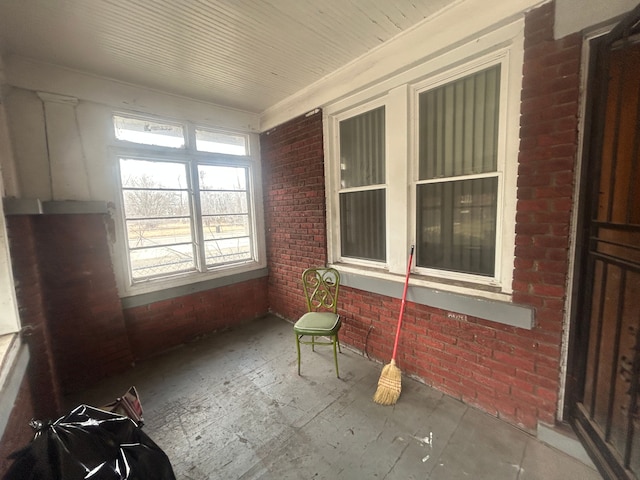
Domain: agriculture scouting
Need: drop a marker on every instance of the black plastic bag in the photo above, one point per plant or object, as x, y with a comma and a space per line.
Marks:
89, 443
127, 405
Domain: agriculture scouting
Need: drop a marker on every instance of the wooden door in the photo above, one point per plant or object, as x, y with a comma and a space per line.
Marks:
606, 409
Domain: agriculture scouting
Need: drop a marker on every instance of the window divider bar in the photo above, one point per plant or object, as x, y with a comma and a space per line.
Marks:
196, 218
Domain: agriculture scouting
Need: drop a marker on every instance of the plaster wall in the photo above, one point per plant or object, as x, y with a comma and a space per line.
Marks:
9, 320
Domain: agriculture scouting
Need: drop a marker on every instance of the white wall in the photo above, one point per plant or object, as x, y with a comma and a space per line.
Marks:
60, 122
575, 15
9, 319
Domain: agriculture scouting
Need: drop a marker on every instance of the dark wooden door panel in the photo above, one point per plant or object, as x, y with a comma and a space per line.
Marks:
606, 414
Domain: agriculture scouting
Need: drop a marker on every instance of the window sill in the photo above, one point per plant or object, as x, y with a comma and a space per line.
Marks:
190, 282
173, 291
14, 358
482, 301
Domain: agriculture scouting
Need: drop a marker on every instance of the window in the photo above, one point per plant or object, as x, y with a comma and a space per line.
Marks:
157, 215
147, 132
188, 207
220, 142
362, 191
429, 160
226, 222
457, 189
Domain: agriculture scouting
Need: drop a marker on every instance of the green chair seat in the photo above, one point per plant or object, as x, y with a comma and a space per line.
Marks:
318, 323
321, 287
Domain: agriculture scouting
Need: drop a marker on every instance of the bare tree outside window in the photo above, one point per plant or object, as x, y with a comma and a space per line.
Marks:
225, 213
145, 201
157, 217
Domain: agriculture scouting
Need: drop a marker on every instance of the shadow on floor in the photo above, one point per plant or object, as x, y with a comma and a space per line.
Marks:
232, 407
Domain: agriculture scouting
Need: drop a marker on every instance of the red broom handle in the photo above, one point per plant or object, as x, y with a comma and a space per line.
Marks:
404, 297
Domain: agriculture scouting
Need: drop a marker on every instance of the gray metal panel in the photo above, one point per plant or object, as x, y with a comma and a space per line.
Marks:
74, 207
175, 292
35, 206
21, 206
496, 311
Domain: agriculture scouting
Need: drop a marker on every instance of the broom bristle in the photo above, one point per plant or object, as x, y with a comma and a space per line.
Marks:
389, 385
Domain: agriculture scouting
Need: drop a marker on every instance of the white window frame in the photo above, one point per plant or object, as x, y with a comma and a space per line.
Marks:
192, 158
399, 93
435, 82
337, 239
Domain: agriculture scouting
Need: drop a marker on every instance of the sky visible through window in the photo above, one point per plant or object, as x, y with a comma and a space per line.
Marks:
169, 135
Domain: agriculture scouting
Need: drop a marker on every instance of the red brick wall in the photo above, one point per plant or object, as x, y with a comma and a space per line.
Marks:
509, 372
294, 204
548, 148
77, 329
159, 326
67, 297
84, 312
42, 372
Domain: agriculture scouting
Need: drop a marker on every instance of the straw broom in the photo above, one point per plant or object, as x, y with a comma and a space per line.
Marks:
390, 382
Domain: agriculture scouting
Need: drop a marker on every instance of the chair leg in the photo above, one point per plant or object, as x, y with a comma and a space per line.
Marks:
335, 354
298, 348
338, 340
313, 343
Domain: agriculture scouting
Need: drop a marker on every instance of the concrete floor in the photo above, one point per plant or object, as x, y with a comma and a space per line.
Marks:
232, 407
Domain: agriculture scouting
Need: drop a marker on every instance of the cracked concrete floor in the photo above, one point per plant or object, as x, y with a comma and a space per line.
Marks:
231, 406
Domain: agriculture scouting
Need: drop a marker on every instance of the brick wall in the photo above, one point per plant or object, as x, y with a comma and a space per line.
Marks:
548, 147
67, 297
509, 372
294, 204
162, 325
42, 372
83, 308
77, 330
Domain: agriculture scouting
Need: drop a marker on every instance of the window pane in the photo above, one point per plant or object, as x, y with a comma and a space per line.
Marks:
222, 178
153, 232
223, 202
362, 224
226, 224
154, 189
161, 261
362, 145
147, 132
157, 213
155, 203
227, 250
456, 225
220, 142
148, 174
458, 126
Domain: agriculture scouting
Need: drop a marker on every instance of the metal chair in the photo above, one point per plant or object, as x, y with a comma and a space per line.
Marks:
321, 286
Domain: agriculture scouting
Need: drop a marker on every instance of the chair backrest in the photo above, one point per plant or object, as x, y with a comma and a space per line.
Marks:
321, 286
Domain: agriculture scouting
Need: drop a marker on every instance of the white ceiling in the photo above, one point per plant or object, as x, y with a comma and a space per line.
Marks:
245, 54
